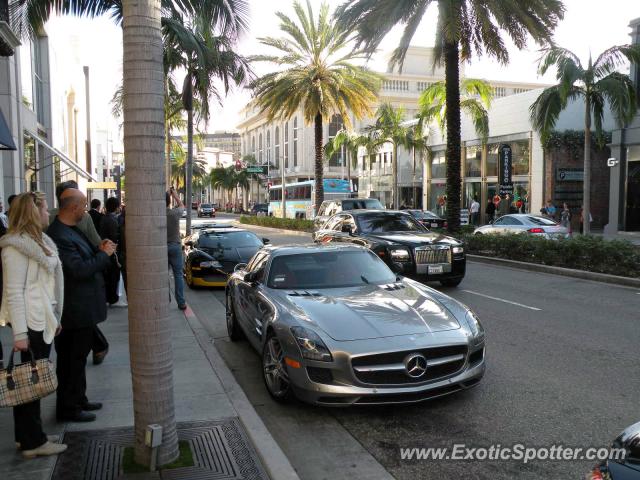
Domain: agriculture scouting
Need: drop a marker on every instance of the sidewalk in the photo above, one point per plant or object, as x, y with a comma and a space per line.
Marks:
204, 390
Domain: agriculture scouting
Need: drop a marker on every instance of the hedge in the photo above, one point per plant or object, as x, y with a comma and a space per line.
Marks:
277, 222
590, 253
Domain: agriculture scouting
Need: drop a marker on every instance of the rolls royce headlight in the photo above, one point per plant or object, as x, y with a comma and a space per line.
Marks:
400, 255
458, 249
311, 345
475, 327
211, 264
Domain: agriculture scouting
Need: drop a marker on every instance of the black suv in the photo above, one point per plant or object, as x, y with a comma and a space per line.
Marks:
397, 238
329, 208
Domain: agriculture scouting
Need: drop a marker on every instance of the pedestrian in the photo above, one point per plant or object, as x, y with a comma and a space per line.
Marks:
32, 303
122, 246
85, 303
99, 344
10, 199
95, 213
565, 217
474, 210
490, 211
4, 221
174, 246
582, 219
110, 230
551, 209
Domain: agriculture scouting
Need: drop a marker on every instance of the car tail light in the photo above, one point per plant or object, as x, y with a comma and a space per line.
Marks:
536, 230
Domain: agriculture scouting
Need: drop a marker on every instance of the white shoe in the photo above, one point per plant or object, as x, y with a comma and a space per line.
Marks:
50, 438
45, 450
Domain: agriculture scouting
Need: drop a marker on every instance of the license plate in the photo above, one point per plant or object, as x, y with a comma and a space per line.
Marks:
434, 269
434, 224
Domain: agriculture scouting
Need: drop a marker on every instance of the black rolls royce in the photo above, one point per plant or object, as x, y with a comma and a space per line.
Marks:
398, 238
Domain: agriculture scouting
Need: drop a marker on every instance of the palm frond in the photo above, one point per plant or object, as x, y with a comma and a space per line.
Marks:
619, 91
612, 58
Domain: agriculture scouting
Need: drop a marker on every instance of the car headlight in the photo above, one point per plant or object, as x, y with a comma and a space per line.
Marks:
476, 328
311, 345
457, 249
211, 264
400, 255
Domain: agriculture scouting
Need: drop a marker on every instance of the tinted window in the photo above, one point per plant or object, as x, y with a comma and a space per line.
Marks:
541, 221
205, 205
359, 204
384, 222
229, 240
328, 270
420, 215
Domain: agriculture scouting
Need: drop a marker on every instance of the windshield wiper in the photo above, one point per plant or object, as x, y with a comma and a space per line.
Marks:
364, 279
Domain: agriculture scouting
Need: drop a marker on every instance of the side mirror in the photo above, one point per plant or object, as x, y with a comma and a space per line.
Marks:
396, 267
346, 229
266, 241
240, 266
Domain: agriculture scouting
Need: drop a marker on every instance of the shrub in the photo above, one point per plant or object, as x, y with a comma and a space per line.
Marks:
594, 254
277, 222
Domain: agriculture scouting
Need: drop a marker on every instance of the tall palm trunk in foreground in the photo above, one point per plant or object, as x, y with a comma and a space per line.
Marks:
149, 328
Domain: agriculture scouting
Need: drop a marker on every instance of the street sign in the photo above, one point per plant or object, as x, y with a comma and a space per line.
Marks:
570, 174
505, 169
464, 216
260, 169
101, 186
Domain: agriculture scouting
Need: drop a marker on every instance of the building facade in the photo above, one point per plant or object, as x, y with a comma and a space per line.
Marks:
624, 189
290, 144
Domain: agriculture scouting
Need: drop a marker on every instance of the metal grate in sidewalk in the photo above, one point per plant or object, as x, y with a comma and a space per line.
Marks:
221, 451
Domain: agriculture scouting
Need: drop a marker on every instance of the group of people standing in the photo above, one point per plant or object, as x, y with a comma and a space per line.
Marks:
59, 268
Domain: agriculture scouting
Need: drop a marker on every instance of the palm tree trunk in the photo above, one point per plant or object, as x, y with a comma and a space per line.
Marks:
586, 185
394, 170
348, 154
188, 170
452, 75
318, 167
413, 180
150, 348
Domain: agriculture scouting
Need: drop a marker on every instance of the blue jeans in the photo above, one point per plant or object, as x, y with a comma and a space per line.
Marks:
175, 262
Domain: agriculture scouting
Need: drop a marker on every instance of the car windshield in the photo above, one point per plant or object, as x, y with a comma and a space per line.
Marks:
541, 221
385, 222
360, 204
420, 215
205, 205
228, 240
328, 270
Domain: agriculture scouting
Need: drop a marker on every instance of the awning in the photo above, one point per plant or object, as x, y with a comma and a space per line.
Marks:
63, 158
6, 139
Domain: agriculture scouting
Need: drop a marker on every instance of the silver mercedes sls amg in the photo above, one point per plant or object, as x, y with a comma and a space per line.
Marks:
336, 326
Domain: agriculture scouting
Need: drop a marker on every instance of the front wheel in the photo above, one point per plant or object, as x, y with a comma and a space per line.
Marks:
274, 371
451, 282
188, 273
233, 329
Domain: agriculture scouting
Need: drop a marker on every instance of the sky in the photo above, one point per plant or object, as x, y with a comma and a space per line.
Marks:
588, 27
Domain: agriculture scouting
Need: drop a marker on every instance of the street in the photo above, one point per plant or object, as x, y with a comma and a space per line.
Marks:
561, 370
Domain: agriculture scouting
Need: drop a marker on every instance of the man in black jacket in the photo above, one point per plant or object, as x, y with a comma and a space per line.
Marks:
110, 230
95, 214
84, 305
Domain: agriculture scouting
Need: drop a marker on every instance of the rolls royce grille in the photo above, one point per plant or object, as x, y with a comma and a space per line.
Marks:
430, 255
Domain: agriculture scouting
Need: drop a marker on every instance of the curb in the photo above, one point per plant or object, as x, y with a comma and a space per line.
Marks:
275, 230
271, 455
566, 272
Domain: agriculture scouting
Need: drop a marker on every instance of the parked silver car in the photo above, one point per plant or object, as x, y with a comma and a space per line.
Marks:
525, 223
336, 326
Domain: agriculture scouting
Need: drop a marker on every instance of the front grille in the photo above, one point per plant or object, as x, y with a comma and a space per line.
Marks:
320, 375
431, 255
399, 377
407, 397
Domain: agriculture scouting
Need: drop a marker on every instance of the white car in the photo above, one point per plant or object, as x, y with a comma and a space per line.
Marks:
524, 223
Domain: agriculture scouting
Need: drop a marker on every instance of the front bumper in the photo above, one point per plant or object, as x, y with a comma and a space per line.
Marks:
209, 277
453, 271
342, 388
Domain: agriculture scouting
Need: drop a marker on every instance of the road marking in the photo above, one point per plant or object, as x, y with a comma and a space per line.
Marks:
503, 300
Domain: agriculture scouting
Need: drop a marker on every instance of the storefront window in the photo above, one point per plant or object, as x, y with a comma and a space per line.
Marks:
520, 151
473, 161
492, 160
438, 199
472, 190
438, 165
521, 194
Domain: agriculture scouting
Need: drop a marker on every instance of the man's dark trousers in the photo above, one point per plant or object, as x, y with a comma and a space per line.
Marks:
73, 347
99, 342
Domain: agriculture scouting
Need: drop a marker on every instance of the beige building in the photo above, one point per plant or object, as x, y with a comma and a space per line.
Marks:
290, 144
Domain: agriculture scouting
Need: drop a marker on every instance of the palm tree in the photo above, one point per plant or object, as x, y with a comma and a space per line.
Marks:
599, 83
348, 140
224, 179
390, 126
463, 26
207, 58
475, 99
150, 347
418, 142
318, 77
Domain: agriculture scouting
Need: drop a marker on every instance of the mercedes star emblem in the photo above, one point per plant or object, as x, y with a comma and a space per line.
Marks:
415, 365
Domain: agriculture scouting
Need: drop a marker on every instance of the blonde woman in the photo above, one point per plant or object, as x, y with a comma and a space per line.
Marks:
32, 304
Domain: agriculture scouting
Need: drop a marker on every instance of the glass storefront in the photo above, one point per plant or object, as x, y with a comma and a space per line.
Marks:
438, 165
438, 199
520, 151
492, 160
632, 213
473, 161
472, 190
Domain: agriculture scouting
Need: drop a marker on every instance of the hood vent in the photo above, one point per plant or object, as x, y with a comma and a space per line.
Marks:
304, 293
392, 286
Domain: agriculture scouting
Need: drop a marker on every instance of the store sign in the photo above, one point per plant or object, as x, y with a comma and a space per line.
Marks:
259, 169
505, 165
101, 185
464, 216
570, 174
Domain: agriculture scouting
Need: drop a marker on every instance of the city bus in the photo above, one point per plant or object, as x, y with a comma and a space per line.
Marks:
300, 196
